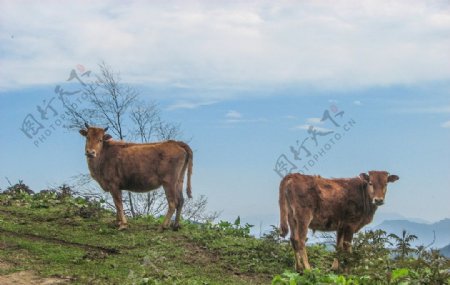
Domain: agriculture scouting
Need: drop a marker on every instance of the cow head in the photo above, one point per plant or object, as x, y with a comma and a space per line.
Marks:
95, 137
377, 185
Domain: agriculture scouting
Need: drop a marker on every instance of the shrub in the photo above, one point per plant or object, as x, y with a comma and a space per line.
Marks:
18, 188
372, 262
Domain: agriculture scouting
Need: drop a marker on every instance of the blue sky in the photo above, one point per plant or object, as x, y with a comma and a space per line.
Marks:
246, 79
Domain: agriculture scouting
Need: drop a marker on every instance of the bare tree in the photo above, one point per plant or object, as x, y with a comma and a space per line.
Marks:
111, 99
146, 118
106, 101
195, 210
149, 126
168, 131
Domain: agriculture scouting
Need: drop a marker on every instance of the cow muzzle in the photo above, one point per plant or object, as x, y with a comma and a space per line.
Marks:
90, 153
378, 201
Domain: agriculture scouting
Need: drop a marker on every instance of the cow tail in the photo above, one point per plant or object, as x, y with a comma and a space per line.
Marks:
284, 228
189, 173
189, 162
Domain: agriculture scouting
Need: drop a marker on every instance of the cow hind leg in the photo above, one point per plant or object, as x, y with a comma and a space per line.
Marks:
179, 197
179, 208
170, 190
299, 231
303, 232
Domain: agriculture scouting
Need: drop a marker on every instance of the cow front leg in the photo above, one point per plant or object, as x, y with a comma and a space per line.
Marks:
347, 245
120, 215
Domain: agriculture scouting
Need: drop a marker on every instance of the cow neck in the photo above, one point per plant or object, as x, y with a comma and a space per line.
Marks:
368, 208
95, 163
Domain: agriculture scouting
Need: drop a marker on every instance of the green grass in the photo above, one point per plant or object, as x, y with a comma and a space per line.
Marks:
72, 238
55, 240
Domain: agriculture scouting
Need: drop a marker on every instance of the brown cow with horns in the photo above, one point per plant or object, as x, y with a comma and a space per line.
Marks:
342, 205
118, 165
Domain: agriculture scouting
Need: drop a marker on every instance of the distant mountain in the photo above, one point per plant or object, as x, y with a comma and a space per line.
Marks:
423, 231
445, 251
381, 216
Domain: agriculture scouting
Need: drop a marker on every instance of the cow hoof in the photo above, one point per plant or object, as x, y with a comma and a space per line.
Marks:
123, 227
335, 265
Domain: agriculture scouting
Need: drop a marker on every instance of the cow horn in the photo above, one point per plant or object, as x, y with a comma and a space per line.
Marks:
106, 129
86, 125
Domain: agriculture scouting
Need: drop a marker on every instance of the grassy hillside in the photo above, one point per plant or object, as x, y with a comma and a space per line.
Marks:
70, 237
76, 241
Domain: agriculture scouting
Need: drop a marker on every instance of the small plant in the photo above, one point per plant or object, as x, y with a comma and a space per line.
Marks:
370, 255
233, 229
431, 267
18, 188
44, 199
403, 244
17, 194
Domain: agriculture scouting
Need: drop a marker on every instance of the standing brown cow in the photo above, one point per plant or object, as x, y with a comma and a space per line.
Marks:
117, 166
342, 205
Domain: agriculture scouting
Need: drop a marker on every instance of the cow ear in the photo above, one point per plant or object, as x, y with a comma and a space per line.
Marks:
365, 177
83, 132
393, 178
107, 137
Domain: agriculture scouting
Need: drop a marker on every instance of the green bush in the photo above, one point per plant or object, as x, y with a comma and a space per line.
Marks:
373, 262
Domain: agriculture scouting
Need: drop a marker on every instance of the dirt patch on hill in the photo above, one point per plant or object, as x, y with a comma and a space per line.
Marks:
4, 265
27, 277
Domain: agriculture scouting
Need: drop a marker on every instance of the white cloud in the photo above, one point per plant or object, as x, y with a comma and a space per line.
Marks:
232, 114
357, 103
307, 127
258, 120
446, 125
233, 117
217, 45
188, 105
315, 121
